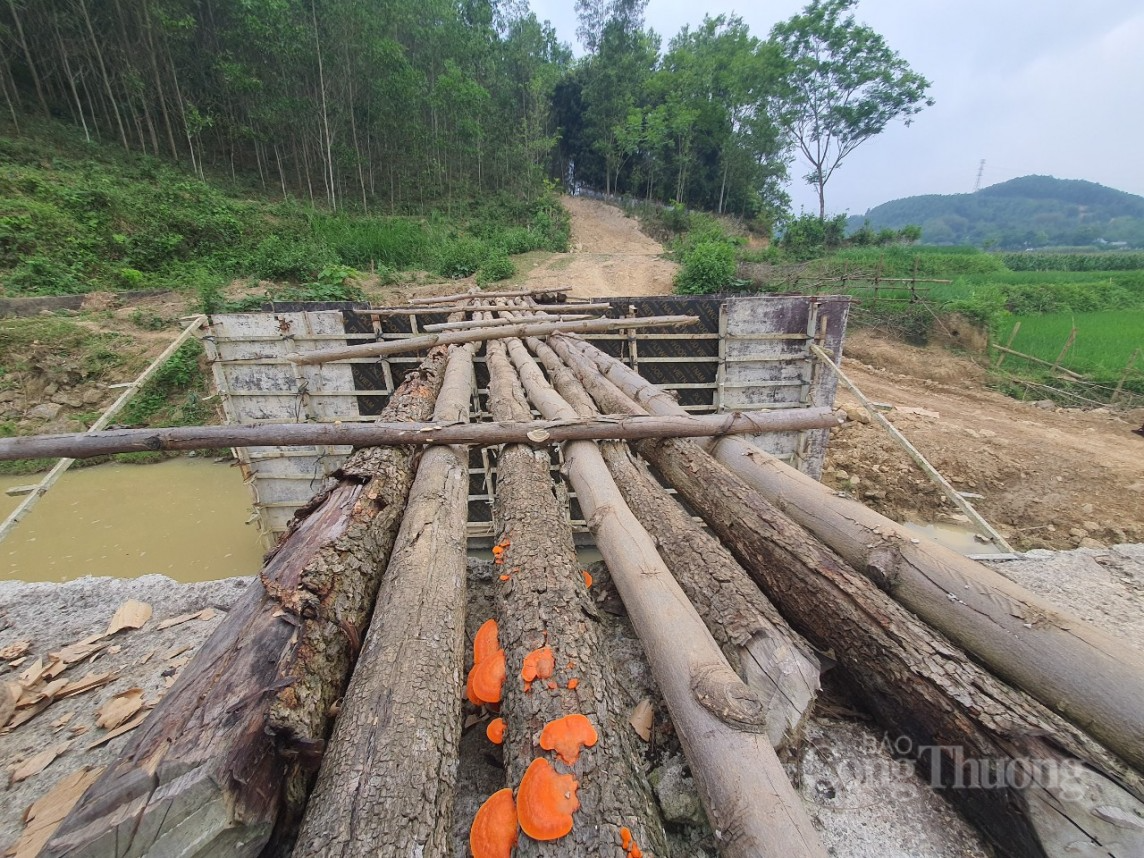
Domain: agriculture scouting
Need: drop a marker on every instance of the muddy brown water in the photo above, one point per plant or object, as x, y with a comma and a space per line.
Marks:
184, 518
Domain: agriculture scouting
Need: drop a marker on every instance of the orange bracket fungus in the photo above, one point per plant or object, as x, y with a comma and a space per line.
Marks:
546, 801
494, 829
573, 682
488, 678
495, 731
485, 643
538, 664
629, 844
567, 735
587, 577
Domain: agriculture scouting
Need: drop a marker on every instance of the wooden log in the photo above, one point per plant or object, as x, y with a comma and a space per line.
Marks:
87, 445
760, 646
479, 295
720, 722
544, 602
1078, 671
1033, 782
230, 748
539, 329
473, 308
386, 786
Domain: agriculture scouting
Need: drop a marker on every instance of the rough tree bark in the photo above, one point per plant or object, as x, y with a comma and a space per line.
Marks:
720, 721
767, 654
545, 602
386, 786
1037, 785
230, 748
86, 445
1083, 674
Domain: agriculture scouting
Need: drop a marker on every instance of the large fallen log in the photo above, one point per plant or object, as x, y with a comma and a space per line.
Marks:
1037, 785
228, 751
543, 601
1083, 674
386, 785
768, 655
721, 723
86, 445
536, 329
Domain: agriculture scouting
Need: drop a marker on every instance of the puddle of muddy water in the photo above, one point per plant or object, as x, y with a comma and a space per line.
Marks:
956, 537
184, 518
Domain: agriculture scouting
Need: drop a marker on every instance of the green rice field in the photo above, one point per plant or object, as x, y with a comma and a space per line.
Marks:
1105, 340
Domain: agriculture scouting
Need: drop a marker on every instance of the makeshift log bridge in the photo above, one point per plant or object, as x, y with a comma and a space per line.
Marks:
222, 764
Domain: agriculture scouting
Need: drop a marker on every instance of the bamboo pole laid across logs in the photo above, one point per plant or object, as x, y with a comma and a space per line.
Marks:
383, 312
764, 650
228, 750
1083, 674
485, 323
721, 722
86, 445
543, 601
1037, 785
539, 329
386, 786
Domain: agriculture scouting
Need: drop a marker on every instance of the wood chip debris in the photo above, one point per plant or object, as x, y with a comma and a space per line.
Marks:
132, 614
37, 763
204, 614
45, 814
120, 730
14, 650
120, 708
642, 719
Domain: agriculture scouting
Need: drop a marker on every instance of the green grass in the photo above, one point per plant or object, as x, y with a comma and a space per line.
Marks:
1104, 340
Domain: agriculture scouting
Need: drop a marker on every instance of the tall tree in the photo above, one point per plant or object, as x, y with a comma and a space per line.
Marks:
843, 85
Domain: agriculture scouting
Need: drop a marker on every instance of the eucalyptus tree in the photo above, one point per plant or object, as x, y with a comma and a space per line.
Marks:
842, 85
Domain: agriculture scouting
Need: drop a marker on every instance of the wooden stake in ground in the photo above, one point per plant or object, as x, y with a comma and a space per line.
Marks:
544, 601
1083, 674
768, 655
537, 329
386, 786
228, 751
721, 723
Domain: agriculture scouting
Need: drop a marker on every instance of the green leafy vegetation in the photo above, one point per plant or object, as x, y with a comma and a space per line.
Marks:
173, 396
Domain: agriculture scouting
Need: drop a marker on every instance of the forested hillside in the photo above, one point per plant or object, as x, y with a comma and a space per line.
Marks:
1032, 211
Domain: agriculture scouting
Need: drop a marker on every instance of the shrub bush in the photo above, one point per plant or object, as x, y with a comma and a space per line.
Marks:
708, 267
495, 267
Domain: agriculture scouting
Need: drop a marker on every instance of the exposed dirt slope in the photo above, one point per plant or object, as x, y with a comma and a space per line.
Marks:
610, 256
1051, 477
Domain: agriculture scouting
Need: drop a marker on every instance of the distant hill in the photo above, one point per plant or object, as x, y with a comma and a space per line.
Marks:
1032, 211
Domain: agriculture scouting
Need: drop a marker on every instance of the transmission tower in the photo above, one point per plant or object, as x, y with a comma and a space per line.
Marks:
980, 170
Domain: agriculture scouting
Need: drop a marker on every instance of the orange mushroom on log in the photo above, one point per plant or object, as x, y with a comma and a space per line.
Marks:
546, 801
494, 829
567, 735
485, 642
495, 731
538, 664
488, 678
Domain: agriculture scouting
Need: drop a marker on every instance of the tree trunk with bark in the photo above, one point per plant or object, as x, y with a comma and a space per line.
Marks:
720, 721
229, 750
386, 786
768, 655
545, 602
1078, 671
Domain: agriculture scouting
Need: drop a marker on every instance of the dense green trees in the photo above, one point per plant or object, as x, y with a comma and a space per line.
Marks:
396, 105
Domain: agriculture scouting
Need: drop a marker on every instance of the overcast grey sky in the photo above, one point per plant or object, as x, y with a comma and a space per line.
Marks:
1053, 87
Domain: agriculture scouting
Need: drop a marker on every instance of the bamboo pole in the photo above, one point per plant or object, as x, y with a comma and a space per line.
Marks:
1085, 675
1124, 375
1065, 349
1008, 344
484, 323
930, 471
750, 803
539, 329
62, 465
1024, 356
617, 427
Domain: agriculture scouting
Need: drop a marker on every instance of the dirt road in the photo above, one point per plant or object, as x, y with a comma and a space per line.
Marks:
610, 256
